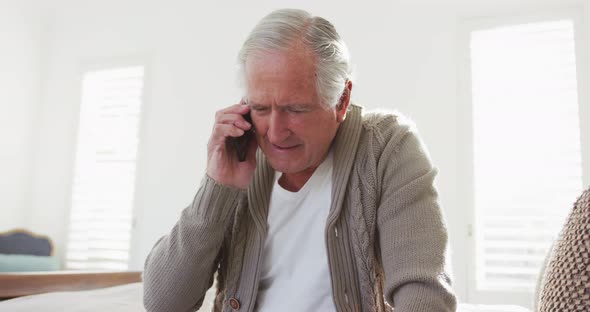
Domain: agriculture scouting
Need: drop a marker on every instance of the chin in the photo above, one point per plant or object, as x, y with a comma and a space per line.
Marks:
284, 166
281, 166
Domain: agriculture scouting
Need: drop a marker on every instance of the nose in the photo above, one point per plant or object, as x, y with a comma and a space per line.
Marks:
278, 127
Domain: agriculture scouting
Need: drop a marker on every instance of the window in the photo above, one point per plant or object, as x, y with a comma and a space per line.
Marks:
104, 172
526, 147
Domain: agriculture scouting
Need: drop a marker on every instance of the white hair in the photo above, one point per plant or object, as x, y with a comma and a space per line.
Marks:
280, 29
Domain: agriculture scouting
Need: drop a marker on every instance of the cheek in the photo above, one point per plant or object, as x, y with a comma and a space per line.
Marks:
259, 123
311, 133
321, 133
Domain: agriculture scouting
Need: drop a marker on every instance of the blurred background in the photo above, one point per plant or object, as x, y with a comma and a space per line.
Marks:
106, 108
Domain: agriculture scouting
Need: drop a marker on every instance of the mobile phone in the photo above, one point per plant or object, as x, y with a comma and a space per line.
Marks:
241, 143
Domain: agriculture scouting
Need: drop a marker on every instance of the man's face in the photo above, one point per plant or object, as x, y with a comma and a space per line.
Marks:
292, 128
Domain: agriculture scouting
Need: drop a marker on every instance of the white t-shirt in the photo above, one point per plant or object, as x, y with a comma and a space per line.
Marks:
295, 275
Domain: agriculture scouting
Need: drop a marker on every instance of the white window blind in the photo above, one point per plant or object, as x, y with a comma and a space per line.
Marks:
104, 173
527, 156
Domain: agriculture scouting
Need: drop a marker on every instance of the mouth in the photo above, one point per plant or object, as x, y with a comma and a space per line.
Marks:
283, 148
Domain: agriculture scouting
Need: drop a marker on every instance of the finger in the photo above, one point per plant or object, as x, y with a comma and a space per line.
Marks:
240, 109
236, 120
221, 132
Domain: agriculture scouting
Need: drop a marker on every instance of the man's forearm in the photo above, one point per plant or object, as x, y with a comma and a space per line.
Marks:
179, 269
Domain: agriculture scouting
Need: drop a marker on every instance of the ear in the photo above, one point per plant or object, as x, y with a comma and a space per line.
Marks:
342, 106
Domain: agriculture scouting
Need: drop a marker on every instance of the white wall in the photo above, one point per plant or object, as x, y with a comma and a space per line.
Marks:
583, 47
406, 56
19, 93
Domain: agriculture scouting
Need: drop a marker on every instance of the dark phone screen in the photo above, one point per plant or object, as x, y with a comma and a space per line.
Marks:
241, 143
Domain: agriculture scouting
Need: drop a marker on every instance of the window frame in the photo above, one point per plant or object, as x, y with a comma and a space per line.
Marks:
105, 63
465, 152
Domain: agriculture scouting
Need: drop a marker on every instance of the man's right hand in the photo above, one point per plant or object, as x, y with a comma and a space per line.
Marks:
222, 159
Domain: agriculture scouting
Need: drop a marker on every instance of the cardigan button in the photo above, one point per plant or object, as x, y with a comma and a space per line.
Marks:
234, 303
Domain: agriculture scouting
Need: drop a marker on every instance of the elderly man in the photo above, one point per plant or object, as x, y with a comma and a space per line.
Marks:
331, 209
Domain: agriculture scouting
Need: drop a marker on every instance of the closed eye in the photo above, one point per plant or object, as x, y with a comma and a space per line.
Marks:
259, 108
297, 109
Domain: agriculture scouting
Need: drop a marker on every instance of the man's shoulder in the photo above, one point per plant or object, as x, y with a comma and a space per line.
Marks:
386, 124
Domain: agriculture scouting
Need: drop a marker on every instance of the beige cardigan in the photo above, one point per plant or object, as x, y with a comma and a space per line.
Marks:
385, 234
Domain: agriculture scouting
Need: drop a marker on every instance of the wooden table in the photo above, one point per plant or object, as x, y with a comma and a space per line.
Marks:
14, 285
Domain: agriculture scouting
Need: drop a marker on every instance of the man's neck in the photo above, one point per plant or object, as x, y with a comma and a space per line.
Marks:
293, 182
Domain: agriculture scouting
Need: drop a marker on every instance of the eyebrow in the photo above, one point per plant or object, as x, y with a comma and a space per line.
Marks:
295, 105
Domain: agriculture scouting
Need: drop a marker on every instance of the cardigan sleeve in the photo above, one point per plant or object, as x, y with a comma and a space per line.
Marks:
411, 229
179, 269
